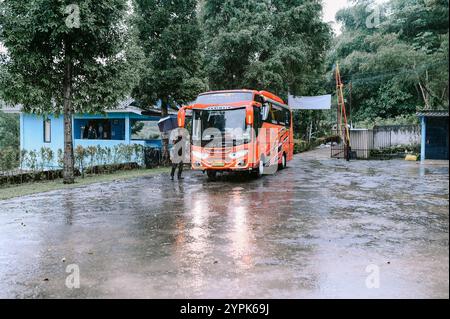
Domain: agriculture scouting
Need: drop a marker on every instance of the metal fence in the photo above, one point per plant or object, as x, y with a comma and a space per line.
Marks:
364, 141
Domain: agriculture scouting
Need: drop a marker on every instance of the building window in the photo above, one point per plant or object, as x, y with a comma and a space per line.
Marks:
99, 129
47, 131
145, 130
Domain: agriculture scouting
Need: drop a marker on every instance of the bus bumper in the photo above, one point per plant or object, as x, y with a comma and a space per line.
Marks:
235, 166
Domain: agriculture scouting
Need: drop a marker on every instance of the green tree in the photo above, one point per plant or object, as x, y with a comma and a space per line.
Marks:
169, 34
65, 58
9, 131
9, 141
276, 45
398, 66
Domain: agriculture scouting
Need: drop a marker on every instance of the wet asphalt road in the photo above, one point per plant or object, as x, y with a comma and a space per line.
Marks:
309, 231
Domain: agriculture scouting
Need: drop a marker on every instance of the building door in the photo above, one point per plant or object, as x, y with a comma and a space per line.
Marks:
437, 138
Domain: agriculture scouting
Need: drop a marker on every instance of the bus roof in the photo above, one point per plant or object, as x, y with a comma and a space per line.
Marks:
229, 91
267, 95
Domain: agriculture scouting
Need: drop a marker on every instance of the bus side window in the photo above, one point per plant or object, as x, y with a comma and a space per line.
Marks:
266, 116
272, 115
278, 116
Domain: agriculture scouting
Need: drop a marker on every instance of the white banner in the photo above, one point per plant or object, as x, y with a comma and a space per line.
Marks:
322, 102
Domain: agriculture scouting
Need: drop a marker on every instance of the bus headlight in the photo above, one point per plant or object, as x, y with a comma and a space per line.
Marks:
238, 154
200, 155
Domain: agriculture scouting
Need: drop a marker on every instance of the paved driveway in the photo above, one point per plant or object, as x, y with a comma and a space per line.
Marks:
321, 228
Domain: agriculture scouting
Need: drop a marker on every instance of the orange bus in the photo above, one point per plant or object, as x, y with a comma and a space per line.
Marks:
239, 131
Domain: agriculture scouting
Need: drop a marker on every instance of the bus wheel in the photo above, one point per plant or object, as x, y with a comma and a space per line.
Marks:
260, 170
283, 162
212, 175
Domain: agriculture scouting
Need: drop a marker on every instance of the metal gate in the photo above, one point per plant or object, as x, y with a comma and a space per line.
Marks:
361, 142
437, 139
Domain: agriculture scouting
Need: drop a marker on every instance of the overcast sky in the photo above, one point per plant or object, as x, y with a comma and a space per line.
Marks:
331, 7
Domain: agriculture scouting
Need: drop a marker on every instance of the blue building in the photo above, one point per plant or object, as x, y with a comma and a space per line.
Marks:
124, 124
434, 145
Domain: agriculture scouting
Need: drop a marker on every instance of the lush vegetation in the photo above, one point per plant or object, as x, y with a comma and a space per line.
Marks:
396, 152
394, 61
45, 164
65, 58
9, 141
393, 57
85, 157
169, 35
278, 46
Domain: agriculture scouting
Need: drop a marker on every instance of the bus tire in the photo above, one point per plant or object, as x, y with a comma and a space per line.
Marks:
260, 169
283, 163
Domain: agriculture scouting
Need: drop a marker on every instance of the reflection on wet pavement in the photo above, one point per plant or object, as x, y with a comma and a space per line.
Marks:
308, 231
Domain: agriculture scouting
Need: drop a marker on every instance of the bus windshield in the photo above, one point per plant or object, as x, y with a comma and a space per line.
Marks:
224, 98
231, 124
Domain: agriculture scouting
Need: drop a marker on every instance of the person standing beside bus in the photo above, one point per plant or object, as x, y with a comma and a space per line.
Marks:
176, 155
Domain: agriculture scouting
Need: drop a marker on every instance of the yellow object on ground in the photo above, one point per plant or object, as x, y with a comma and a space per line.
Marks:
410, 157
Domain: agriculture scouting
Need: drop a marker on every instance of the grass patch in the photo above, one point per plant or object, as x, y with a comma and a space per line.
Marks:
46, 186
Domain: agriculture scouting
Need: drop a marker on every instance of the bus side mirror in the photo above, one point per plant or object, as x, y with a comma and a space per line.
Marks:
249, 116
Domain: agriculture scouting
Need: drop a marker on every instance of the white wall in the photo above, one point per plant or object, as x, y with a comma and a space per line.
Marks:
387, 136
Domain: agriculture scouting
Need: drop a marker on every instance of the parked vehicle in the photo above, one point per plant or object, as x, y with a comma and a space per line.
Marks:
239, 130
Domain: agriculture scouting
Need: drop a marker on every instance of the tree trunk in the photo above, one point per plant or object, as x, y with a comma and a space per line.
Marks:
424, 96
68, 173
310, 131
165, 136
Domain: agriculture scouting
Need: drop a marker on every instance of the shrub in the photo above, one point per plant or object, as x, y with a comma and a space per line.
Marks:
396, 151
60, 158
80, 158
32, 160
301, 146
139, 154
108, 154
101, 158
116, 154
89, 157
46, 157
23, 159
128, 151
91, 152
8, 159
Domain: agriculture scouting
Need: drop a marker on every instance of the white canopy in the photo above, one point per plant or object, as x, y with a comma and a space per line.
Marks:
322, 102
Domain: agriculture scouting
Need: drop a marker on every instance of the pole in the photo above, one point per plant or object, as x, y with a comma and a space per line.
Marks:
350, 105
342, 114
423, 143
